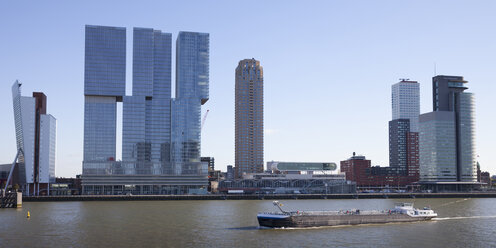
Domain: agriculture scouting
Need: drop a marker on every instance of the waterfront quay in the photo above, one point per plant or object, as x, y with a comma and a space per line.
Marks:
256, 196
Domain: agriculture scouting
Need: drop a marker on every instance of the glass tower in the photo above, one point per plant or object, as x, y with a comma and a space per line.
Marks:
104, 85
437, 146
147, 113
160, 135
454, 138
192, 82
249, 117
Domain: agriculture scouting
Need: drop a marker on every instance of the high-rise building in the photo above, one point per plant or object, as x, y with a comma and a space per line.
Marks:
438, 146
160, 135
447, 135
104, 85
146, 124
36, 139
398, 145
249, 117
405, 101
192, 91
403, 129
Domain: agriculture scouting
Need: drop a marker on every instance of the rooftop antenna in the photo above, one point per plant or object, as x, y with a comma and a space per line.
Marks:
435, 73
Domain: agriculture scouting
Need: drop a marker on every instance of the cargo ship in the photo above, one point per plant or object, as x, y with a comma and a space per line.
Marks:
402, 212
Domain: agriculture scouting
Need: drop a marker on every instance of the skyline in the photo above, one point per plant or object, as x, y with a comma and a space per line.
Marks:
53, 62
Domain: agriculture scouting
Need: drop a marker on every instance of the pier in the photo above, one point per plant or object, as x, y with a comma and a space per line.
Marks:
11, 200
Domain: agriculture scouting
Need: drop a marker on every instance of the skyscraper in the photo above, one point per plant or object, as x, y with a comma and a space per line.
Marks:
104, 85
398, 145
447, 136
36, 138
192, 91
403, 136
249, 117
146, 114
160, 135
405, 101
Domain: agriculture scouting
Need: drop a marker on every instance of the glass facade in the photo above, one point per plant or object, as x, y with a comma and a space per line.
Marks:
192, 82
160, 135
105, 61
147, 114
437, 143
456, 160
134, 146
466, 134
100, 114
104, 84
24, 118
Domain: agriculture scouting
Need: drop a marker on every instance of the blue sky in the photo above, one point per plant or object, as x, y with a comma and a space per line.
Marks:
328, 67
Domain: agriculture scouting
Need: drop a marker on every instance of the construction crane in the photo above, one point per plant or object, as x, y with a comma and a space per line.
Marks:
204, 119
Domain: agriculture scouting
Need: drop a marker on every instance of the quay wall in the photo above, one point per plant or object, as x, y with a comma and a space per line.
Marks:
254, 196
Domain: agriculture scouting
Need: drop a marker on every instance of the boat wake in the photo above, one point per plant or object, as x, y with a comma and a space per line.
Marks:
465, 217
449, 203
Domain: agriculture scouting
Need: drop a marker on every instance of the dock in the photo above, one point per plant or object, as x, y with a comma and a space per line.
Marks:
11, 200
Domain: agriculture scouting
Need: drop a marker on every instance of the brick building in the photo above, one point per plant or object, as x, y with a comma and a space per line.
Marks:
358, 169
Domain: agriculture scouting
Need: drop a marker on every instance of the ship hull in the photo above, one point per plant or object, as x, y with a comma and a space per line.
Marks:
334, 220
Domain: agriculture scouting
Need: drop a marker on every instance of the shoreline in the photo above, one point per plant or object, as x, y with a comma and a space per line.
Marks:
254, 197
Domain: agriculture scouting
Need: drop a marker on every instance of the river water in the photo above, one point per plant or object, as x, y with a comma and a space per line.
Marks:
232, 223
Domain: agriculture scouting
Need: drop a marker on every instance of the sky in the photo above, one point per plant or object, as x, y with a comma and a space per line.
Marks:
328, 68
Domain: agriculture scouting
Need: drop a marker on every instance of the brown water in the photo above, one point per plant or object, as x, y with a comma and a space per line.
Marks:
461, 223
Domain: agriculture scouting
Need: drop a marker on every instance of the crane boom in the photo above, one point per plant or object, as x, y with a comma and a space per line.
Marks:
204, 119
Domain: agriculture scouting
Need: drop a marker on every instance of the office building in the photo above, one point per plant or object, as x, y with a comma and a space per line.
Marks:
403, 130
160, 134
398, 142
36, 139
192, 91
447, 137
146, 126
405, 101
249, 118
104, 85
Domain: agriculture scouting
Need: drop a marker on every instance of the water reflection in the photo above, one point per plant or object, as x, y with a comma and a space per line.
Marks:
461, 223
